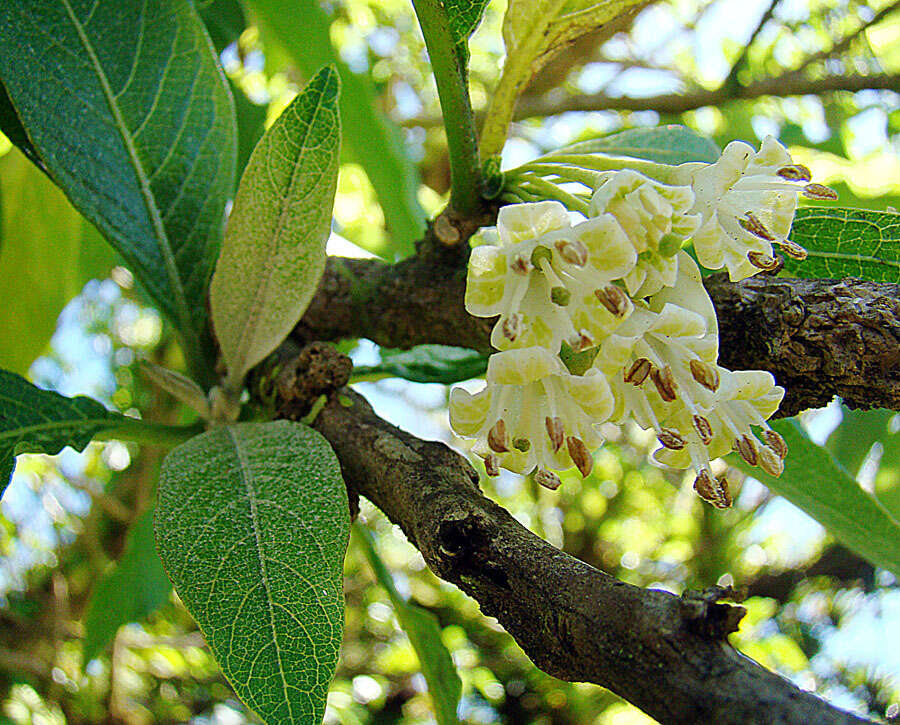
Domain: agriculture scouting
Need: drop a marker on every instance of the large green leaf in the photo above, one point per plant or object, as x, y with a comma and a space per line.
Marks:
224, 19
662, 144
854, 437
45, 259
847, 243
126, 105
424, 633
302, 27
13, 129
464, 16
814, 482
42, 421
252, 525
274, 250
131, 590
426, 364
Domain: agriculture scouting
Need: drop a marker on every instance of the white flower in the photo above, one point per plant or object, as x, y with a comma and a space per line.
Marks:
657, 219
747, 201
533, 414
548, 280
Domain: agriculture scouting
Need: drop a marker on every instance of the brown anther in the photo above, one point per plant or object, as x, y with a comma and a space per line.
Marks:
793, 250
638, 371
497, 438
751, 223
820, 191
671, 439
582, 341
581, 456
766, 262
713, 490
547, 479
492, 465
521, 444
776, 443
555, 431
703, 428
520, 265
573, 252
614, 299
770, 461
512, 326
795, 172
746, 446
664, 382
705, 374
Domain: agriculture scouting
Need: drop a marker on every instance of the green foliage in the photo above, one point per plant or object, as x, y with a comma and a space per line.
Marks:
134, 121
12, 128
853, 439
662, 144
302, 27
464, 16
133, 588
816, 483
847, 243
426, 364
41, 421
274, 250
45, 259
424, 633
224, 20
252, 525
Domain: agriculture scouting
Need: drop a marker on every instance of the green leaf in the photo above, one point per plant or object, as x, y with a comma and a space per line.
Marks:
854, 437
126, 105
847, 243
816, 483
424, 633
224, 20
426, 364
661, 144
252, 526
274, 250
135, 587
464, 16
13, 129
302, 28
45, 259
41, 421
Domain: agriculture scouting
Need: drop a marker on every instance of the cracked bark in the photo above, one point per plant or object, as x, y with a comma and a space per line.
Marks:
819, 337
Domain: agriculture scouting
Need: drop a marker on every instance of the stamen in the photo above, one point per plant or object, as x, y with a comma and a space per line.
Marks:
581, 341
793, 250
512, 327
746, 446
795, 172
614, 299
713, 490
555, 431
572, 251
820, 191
547, 479
776, 443
762, 261
703, 428
705, 374
671, 439
581, 456
770, 461
520, 265
497, 439
638, 371
664, 382
492, 465
751, 223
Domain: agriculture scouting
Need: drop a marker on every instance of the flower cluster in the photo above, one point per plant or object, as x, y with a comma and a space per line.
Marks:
605, 319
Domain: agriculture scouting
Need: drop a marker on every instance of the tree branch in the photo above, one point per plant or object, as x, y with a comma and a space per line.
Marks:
819, 337
666, 654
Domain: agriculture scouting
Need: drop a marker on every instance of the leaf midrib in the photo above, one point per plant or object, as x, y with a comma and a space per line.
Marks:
165, 247
246, 475
38, 427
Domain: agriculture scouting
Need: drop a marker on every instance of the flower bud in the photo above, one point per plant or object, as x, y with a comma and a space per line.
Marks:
638, 371
705, 374
555, 431
497, 438
581, 456
547, 479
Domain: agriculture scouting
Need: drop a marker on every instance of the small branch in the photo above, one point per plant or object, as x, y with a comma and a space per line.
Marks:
456, 108
731, 80
666, 654
819, 337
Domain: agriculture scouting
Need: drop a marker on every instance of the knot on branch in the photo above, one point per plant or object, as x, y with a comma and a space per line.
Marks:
704, 612
466, 547
299, 381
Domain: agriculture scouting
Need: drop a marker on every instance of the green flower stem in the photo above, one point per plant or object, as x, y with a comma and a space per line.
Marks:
564, 171
450, 75
139, 431
549, 190
600, 162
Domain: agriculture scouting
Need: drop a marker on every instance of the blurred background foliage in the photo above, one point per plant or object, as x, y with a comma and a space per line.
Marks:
817, 613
